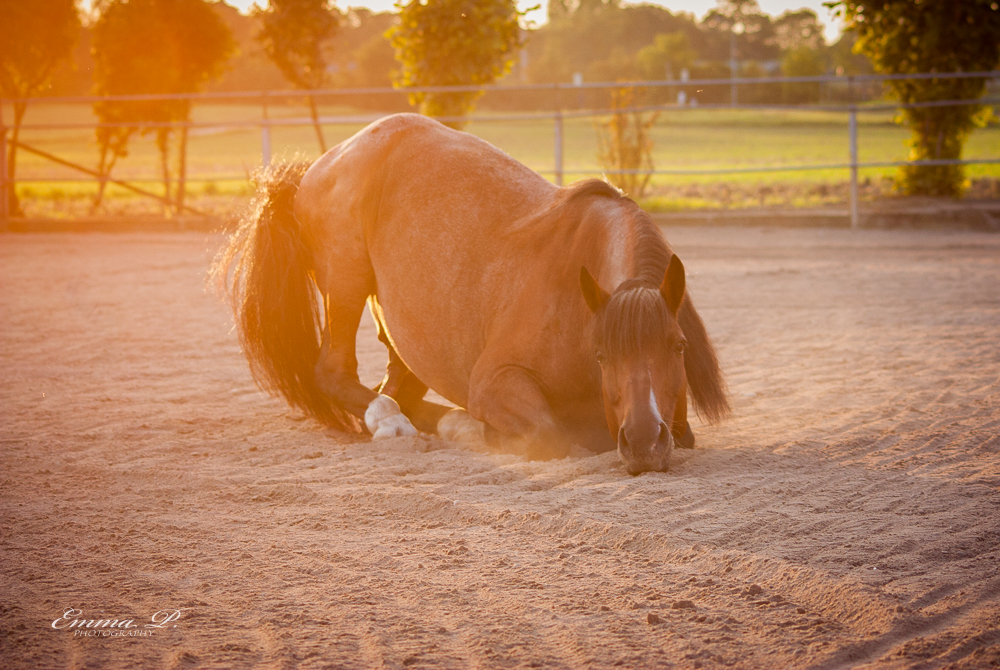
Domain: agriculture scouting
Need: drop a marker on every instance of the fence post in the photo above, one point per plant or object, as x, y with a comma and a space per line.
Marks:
558, 139
265, 135
4, 195
853, 132
734, 68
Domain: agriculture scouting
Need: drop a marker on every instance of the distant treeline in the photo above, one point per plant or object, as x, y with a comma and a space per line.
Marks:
596, 40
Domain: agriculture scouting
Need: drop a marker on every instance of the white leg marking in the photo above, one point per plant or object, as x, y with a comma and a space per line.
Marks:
384, 419
459, 426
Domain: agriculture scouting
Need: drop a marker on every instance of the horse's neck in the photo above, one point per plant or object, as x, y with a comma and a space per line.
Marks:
619, 254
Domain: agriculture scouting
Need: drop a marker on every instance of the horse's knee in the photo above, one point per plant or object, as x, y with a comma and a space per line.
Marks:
537, 445
509, 428
519, 419
383, 419
457, 425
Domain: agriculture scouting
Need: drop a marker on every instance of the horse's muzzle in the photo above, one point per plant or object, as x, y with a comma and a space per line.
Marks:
649, 453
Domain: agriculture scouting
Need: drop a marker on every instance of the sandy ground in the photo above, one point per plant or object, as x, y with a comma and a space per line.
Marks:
848, 515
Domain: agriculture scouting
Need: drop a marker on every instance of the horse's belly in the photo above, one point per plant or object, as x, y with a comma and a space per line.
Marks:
430, 345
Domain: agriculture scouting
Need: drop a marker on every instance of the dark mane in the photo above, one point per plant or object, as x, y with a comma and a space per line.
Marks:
651, 255
634, 321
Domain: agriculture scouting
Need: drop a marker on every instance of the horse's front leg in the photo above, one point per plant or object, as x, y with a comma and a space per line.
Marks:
681, 429
516, 414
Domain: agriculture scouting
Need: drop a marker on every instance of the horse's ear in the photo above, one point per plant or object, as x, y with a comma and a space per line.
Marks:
595, 296
672, 288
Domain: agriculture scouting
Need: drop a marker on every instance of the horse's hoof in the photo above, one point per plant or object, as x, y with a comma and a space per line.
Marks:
383, 419
686, 441
457, 425
394, 426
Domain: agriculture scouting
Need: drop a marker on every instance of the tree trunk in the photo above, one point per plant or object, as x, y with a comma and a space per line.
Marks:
115, 145
319, 130
163, 144
936, 135
104, 169
13, 204
182, 170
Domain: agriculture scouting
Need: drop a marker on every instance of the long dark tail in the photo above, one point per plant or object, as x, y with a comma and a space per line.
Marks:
266, 270
705, 380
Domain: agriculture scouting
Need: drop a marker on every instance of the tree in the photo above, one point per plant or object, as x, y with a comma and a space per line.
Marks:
844, 59
743, 29
452, 43
909, 36
802, 61
154, 47
364, 56
666, 56
34, 38
800, 28
625, 147
293, 34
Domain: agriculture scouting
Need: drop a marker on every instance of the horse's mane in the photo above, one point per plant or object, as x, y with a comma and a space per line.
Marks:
633, 302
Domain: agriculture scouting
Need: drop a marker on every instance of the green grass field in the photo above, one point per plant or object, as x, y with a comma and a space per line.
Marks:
219, 160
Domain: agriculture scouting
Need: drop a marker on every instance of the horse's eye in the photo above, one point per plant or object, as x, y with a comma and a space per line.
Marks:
679, 347
600, 358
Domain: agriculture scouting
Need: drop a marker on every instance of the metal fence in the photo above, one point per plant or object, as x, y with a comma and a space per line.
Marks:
558, 111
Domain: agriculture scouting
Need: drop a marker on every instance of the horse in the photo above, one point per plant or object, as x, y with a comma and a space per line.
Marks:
549, 316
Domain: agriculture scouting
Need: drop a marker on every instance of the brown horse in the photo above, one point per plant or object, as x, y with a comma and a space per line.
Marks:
485, 281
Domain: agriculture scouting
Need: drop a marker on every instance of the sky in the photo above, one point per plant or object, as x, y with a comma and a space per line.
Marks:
697, 7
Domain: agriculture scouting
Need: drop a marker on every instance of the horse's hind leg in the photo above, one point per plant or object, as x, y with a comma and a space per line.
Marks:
337, 368
402, 385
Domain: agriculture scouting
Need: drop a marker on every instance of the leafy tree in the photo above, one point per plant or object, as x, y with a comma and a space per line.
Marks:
800, 28
454, 42
802, 61
843, 57
667, 55
34, 38
364, 56
154, 47
910, 36
754, 41
602, 40
293, 34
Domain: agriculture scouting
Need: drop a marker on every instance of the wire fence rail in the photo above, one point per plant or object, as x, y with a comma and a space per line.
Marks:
557, 114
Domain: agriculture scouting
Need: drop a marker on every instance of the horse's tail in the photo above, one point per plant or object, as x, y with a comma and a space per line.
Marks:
704, 376
267, 271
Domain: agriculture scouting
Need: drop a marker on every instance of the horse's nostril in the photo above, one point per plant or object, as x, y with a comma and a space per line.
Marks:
622, 438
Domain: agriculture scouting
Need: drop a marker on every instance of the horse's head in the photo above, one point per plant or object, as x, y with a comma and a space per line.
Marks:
640, 347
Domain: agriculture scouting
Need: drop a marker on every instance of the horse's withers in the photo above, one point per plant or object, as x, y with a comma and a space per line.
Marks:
640, 346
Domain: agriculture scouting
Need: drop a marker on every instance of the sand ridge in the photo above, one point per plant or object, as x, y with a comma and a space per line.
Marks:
846, 516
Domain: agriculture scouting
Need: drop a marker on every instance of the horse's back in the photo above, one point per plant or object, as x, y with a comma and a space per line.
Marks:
407, 163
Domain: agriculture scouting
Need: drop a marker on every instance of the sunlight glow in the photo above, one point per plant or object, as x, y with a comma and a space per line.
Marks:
697, 7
